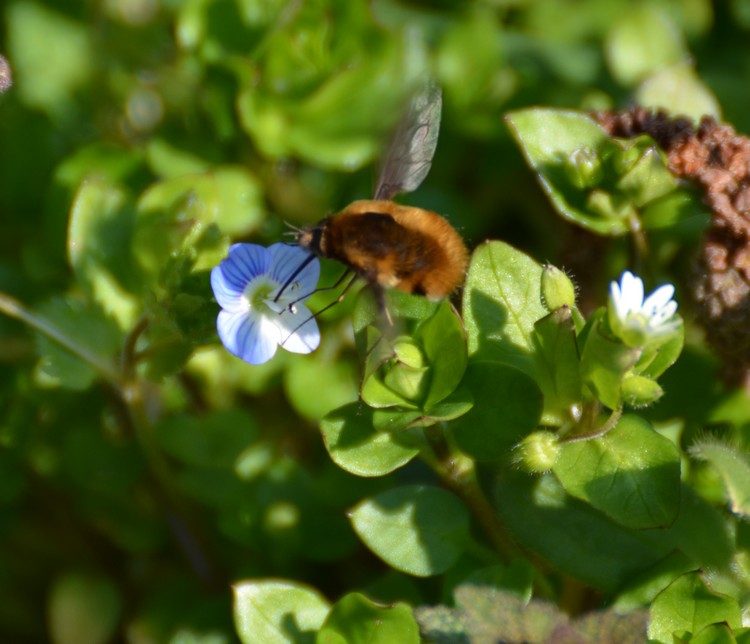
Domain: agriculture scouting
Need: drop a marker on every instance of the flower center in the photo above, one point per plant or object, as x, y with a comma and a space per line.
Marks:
259, 294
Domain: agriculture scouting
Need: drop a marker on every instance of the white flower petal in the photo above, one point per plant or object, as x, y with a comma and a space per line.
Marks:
658, 299
664, 313
632, 317
632, 292
617, 300
304, 339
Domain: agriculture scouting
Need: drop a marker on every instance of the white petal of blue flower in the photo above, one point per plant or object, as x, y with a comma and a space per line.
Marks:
296, 338
257, 316
637, 321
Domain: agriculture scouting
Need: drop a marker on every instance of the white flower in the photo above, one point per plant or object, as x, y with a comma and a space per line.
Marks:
255, 319
637, 321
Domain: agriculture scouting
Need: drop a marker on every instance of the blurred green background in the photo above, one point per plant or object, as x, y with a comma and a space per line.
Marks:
139, 137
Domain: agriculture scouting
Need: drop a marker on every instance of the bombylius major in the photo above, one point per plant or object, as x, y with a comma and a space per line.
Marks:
387, 244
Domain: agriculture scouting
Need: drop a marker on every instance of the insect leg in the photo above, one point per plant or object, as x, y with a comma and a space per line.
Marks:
327, 306
294, 274
290, 306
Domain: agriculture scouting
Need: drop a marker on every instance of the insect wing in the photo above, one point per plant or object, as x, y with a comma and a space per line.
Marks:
413, 145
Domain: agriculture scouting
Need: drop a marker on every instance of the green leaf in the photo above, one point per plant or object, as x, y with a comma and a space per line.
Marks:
417, 529
94, 335
47, 82
641, 42
83, 608
443, 340
558, 362
679, 90
570, 534
416, 371
648, 178
681, 207
471, 64
508, 405
395, 419
169, 162
556, 143
277, 612
100, 230
700, 531
318, 384
688, 604
354, 619
174, 215
405, 308
642, 589
714, 634
657, 358
330, 112
734, 468
501, 303
454, 406
356, 446
632, 474
605, 362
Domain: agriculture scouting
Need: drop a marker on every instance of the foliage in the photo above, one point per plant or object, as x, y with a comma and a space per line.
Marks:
515, 463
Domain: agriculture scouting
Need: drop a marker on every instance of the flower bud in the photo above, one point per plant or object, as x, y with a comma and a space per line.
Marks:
406, 374
640, 391
557, 288
604, 205
539, 451
584, 168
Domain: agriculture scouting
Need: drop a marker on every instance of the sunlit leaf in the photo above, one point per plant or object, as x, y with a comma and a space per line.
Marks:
417, 529
501, 304
643, 41
632, 474
733, 467
355, 445
277, 612
689, 605
354, 619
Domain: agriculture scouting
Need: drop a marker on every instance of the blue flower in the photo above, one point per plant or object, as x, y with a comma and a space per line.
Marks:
255, 319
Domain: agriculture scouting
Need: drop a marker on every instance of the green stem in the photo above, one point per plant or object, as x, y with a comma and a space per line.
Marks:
459, 474
597, 432
14, 309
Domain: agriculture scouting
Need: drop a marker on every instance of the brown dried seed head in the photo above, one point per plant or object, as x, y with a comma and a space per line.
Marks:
717, 159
